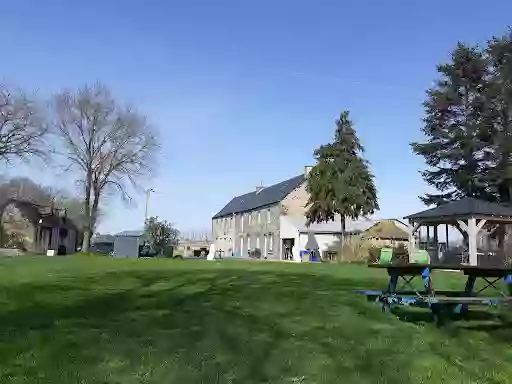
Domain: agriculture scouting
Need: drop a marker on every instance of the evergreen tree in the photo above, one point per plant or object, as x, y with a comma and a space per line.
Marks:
341, 183
499, 111
457, 129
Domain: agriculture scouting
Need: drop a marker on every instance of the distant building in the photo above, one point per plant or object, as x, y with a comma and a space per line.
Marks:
197, 248
36, 228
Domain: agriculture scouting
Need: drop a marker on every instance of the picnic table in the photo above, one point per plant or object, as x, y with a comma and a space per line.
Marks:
441, 303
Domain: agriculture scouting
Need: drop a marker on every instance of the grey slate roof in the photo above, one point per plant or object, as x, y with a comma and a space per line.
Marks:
268, 196
329, 227
129, 233
102, 239
464, 207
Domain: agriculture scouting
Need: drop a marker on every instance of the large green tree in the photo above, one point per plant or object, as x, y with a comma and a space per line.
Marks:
160, 234
499, 111
456, 129
341, 182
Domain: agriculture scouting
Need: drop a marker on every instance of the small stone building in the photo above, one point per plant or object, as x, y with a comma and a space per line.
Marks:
35, 228
387, 233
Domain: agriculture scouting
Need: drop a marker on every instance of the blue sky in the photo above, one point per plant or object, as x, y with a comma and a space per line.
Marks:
243, 91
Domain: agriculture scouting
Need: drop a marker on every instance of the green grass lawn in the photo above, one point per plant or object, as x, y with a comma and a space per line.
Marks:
95, 320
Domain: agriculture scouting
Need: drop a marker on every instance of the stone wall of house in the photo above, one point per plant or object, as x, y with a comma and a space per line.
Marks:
239, 234
295, 203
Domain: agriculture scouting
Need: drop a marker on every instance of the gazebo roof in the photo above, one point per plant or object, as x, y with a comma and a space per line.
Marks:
468, 206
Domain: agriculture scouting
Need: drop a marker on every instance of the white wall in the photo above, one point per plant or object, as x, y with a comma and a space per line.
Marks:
323, 241
289, 231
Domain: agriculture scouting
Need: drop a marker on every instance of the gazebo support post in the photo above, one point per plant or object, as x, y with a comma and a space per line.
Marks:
447, 242
436, 242
472, 234
412, 228
428, 237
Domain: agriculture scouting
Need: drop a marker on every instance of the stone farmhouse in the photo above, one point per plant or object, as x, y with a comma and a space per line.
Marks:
268, 222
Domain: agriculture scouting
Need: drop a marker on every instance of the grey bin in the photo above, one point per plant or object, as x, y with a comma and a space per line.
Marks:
126, 244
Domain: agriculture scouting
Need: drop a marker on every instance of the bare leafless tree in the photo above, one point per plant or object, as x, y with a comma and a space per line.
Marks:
111, 147
22, 128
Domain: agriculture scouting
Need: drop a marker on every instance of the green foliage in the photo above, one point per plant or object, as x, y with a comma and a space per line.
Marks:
468, 124
160, 234
373, 255
355, 249
499, 114
341, 182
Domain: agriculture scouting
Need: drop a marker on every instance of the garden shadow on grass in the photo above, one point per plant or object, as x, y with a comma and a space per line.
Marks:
199, 326
425, 316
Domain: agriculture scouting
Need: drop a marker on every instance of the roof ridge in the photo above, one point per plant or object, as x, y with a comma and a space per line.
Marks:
268, 196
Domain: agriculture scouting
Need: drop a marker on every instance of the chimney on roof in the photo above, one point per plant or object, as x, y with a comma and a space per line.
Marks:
307, 169
260, 188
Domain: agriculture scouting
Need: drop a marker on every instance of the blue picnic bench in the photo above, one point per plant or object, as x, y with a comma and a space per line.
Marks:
441, 303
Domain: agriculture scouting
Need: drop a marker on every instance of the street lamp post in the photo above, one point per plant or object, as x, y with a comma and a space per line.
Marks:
148, 192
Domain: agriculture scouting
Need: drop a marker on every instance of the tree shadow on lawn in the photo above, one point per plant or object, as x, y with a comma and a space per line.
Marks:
493, 322
209, 326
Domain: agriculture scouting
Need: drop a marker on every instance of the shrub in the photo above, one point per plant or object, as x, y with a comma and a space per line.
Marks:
400, 254
373, 255
354, 250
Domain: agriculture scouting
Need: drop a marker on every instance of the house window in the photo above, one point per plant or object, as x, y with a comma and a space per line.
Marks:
248, 243
270, 241
258, 242
268, 215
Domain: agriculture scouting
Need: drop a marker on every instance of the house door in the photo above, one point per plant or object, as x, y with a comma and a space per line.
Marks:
287, 248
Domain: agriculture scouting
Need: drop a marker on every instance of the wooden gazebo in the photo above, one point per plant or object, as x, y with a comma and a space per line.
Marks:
468, 216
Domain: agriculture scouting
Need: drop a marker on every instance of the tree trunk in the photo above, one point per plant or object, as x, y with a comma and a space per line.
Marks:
94, 211
342, 236
87, 212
